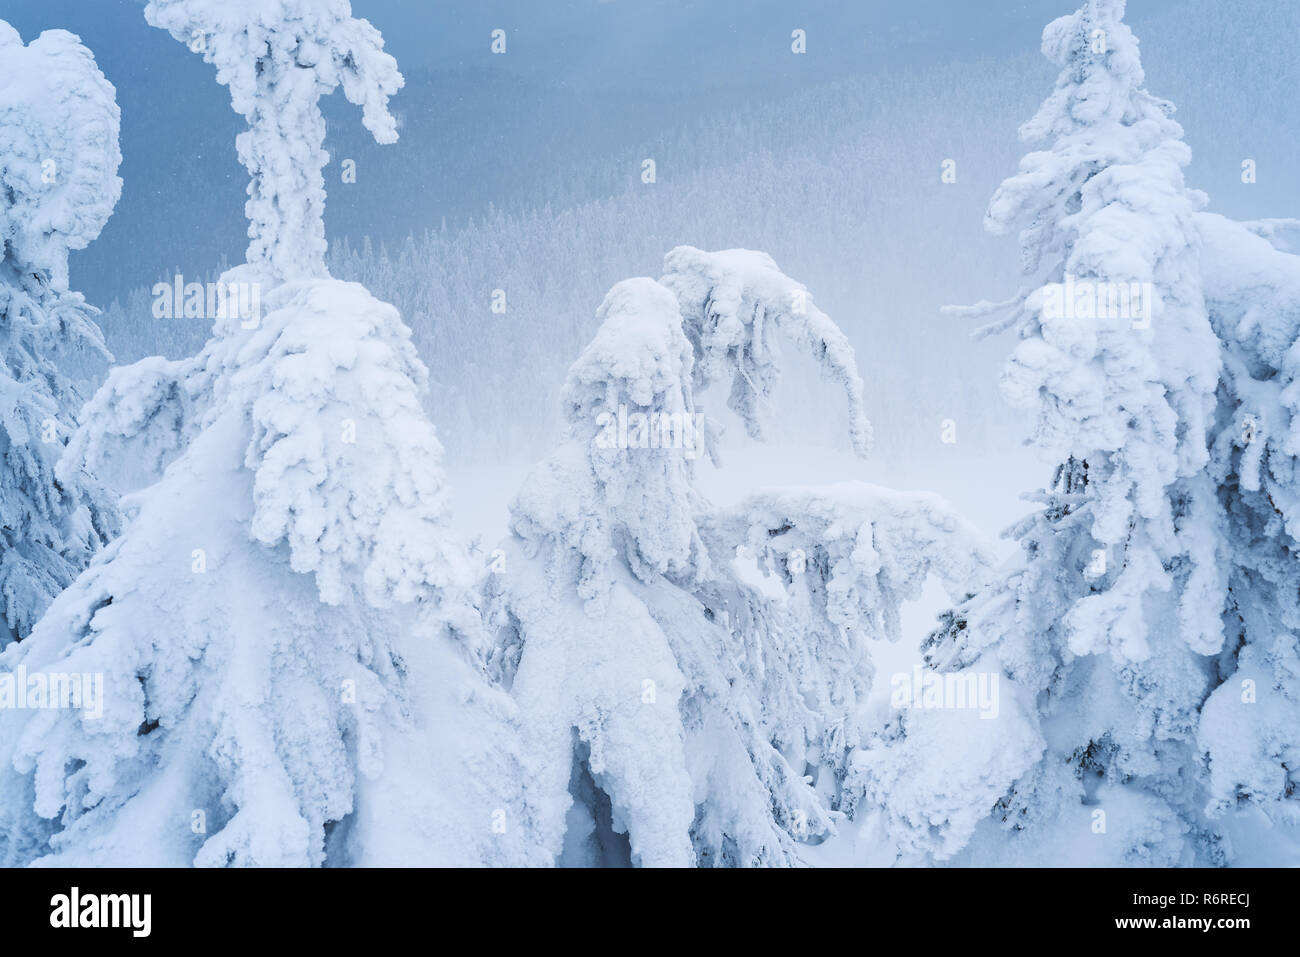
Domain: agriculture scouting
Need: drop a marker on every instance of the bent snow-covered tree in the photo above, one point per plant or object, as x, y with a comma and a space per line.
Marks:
1109, 625
294, 668
676, 709
58, 186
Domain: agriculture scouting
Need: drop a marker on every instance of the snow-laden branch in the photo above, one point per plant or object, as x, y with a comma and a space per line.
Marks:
733, 302
859, 550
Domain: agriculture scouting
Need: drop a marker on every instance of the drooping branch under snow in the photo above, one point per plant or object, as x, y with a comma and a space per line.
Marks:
732, 301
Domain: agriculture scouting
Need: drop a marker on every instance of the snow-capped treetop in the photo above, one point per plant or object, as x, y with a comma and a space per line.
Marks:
732, 301
633, 435
278, 60
1101, 72
1097, 116
59, 138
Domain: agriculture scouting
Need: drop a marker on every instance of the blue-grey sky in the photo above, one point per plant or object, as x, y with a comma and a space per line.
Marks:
581, 78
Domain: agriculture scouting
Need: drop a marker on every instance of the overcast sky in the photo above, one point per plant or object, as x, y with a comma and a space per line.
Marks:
581, 78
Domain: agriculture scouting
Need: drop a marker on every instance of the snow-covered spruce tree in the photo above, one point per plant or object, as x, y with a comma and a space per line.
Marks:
678, 710
58, 186
1108, 626
292, 664
1250, 726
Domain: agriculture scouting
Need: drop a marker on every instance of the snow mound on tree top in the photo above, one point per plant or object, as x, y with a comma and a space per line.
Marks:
639, 348
58, 135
